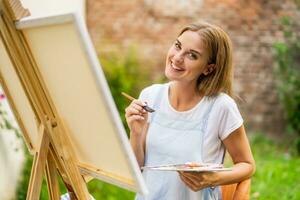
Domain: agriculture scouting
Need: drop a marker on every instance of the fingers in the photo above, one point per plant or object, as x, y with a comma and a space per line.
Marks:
135, 108
135, 117
195, 175
188, 182
132, 111
139, 108
192, 181
135, 113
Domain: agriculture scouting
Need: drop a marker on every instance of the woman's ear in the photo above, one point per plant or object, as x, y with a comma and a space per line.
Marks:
209, 69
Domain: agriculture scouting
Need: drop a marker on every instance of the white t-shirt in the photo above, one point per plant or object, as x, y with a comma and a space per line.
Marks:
223, 119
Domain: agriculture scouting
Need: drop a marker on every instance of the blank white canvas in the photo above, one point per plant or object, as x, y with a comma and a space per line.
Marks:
69, 66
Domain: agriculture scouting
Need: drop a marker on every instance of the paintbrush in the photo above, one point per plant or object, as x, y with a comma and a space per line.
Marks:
147, 108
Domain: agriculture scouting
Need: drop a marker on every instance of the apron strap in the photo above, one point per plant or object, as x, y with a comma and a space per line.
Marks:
204, 126
207, 113
157, 100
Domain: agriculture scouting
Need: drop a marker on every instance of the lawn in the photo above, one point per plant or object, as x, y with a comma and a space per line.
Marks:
276, 177
278, 169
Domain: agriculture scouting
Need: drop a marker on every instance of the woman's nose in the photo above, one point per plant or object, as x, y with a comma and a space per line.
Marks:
178, 57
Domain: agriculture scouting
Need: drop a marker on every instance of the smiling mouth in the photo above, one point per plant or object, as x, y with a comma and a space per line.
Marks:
175, 67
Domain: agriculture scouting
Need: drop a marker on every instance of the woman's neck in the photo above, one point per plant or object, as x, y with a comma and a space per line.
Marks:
183, 96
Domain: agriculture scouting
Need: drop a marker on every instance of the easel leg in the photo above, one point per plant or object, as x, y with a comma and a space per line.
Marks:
61, 171
68, 162
51, 175
39, 162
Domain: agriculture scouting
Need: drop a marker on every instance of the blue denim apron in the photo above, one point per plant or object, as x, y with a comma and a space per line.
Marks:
172, 141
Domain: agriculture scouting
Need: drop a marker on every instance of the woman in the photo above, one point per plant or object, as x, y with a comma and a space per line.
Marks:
195, 120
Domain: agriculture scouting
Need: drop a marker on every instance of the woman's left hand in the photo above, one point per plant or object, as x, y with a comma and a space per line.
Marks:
199, 180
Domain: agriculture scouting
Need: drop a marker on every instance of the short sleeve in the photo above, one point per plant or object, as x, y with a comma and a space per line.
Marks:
148, 95
230, 117
143, 95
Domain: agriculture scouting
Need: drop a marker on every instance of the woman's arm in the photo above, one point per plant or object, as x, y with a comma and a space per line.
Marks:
136, 118
244, 165
138, 144
238, 147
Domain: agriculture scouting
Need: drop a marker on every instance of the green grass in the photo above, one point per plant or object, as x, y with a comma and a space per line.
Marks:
101, 190
277, 170
277, 175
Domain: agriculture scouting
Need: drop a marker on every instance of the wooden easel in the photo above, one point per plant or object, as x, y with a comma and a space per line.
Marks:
54, 154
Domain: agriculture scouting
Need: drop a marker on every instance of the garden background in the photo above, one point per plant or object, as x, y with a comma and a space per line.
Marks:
132, 38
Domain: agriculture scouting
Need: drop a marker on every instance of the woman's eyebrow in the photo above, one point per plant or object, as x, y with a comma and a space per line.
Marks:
197, 52
178, 42
192, 50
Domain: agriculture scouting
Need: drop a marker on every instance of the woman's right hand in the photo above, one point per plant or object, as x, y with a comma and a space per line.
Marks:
136, 117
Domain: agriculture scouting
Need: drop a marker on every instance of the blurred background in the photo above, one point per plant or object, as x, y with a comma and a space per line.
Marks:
132, 38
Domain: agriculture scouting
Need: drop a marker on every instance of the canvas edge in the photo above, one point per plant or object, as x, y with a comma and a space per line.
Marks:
102, 86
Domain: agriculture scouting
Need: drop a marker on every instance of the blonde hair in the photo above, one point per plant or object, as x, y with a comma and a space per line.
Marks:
219, 48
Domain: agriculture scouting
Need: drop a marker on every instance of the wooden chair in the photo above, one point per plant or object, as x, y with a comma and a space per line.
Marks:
238, 191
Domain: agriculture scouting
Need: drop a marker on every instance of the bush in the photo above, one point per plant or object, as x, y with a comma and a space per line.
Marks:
124, 74
288, 75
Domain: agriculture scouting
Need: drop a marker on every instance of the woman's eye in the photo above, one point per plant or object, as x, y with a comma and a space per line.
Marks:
192, 56
177, 46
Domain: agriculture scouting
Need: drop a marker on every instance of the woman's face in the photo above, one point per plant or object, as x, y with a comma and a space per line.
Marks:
187, 58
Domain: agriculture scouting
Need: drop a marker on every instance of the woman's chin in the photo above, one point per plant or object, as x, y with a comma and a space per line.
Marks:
171, 76
168, 75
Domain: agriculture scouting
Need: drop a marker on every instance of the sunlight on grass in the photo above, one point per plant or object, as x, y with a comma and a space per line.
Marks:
277, 170
101, 190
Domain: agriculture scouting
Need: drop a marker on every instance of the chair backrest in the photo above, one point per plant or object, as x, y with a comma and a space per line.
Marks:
238, 191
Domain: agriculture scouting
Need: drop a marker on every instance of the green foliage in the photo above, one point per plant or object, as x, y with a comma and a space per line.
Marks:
124, 74
5, 124
288, 75
105, 191
23, 184
277, 171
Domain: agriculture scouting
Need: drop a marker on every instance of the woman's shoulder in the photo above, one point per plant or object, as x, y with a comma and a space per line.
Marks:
151, 91
153, 87
224, 100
